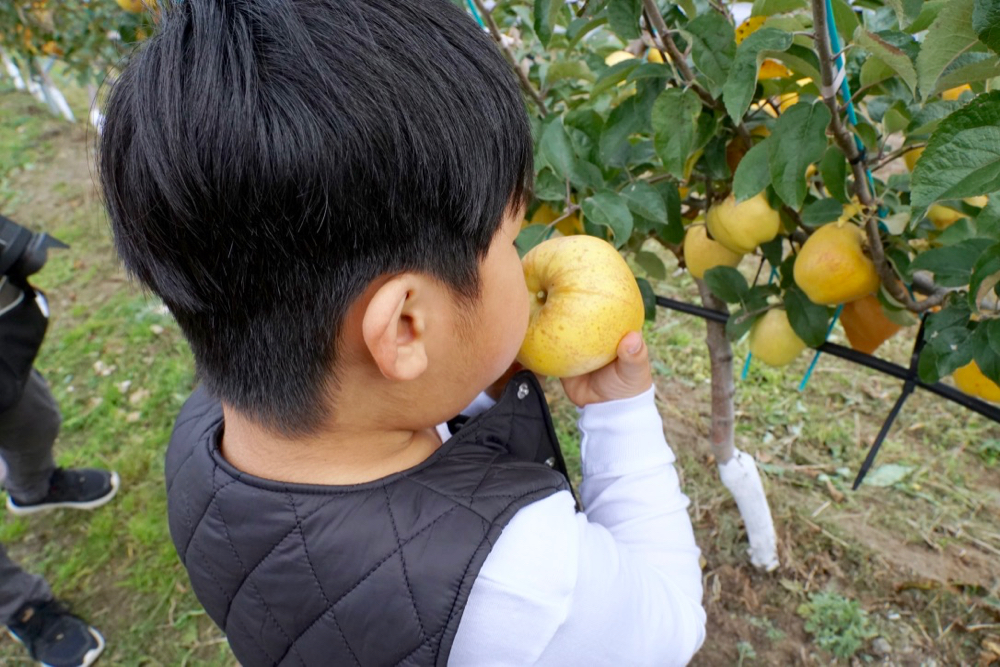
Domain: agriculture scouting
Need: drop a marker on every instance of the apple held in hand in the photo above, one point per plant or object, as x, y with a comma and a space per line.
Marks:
584, 299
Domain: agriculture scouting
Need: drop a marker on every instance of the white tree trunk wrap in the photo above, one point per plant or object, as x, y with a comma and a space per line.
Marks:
12, 70
740, 476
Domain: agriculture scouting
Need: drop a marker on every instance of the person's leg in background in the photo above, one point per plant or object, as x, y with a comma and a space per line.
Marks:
34, 482
28, 431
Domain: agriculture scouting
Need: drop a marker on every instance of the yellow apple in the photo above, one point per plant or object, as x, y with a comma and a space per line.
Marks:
970, 379
832, 266
134, 6
953, 94
772, 339
584, 299
742, 227
911, 157
616, 57
943, 217
702, 253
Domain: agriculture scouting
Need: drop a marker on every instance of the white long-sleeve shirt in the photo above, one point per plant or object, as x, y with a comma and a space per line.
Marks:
617, 584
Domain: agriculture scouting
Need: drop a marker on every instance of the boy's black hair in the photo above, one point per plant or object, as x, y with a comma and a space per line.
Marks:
263, 161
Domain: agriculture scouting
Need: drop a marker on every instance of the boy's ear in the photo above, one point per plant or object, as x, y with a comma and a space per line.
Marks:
393, 328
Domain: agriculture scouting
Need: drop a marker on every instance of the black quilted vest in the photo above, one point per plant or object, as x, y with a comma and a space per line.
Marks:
372, 574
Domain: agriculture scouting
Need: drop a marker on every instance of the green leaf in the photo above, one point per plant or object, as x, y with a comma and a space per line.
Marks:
648, 298
951, 349
874, 72
586, 175
894, 121
949, 36
549, 187
833, 169
727, 283
643, 200
886, 475
985, 276
809, 321
546, 16
968, 68
624, 121
649, 71
556, 148
844, 17
986, 23
889, 54
771, 7
906, 10
580, 28
607, 209
993, 334
985, 357
651, 264
623, 16
955, 314
868, 135
962, 158
929, 117
673, 231
675, 120
802, 61
988, 220
575, 70
614, 75
738, 323
951, 265
742, 80
772, 250
821, 211
799, 139
713, 47
752, 174
531, 236
928, 14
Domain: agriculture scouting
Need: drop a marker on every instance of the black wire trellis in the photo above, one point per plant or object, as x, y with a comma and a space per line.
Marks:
911, 380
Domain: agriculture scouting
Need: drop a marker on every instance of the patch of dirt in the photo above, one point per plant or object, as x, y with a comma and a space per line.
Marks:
954, 563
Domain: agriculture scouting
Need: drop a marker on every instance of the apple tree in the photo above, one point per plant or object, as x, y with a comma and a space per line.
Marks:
846, 149
91, 37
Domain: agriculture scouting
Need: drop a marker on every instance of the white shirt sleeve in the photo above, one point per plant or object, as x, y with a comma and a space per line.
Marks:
618, 584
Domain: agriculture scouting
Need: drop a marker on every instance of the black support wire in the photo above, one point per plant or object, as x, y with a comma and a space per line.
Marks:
909, 376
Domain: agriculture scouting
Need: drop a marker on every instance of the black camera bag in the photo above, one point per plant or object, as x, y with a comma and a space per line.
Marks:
22, 328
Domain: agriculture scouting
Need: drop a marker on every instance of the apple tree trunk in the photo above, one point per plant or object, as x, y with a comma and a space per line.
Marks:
737, 469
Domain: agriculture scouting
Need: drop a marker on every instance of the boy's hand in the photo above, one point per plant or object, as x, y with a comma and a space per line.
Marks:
625, 377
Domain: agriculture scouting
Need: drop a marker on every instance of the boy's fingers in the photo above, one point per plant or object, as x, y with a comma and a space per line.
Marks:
633, 356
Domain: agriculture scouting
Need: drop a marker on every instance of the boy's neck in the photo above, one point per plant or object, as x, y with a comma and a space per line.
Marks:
333, 456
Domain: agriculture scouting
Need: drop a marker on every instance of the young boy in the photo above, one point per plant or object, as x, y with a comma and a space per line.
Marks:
326, 194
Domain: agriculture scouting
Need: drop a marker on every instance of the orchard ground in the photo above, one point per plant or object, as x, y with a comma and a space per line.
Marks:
918, 548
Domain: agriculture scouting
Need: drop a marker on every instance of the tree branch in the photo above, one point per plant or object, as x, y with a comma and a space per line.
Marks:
522, 77
897, 153
665, 42
859, 169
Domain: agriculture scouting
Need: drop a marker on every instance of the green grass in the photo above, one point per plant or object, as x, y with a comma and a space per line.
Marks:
914, 555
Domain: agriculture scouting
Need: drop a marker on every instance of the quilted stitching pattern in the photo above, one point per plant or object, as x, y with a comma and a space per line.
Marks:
376, 575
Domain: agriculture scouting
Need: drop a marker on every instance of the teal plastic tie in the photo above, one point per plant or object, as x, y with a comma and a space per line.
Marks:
812, 365
845, 89
475, 14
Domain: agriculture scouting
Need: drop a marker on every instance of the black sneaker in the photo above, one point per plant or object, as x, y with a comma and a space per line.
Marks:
55, 637
83, 489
